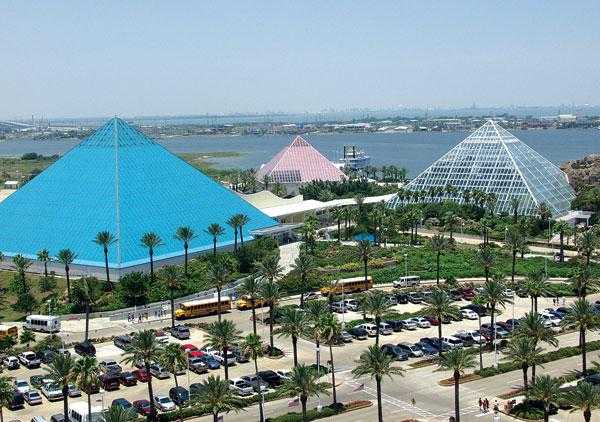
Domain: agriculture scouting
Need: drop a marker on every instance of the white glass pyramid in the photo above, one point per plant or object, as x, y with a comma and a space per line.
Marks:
492, 160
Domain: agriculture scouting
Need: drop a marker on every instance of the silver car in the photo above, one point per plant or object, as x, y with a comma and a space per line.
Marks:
240, 387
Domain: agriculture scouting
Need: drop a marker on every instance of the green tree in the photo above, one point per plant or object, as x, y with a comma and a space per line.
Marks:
587, 243
316, 312
582, 281
174, 359
523, 351
85, 375
219, 273
547, 390
270, 295
514, 238
253, 347
66, 257
364, 250
105, 239
6, 394
457, 360
215, 230
250, 288
487, 258
171, 276
118, 414
377, 304
440, 306
217, 397
151, 241
304, 265
27, 337
292, 324
338, 216
560, 228
44, 257
60, 371
242, 220
532, 326
145, 349
234, 223
304, 383
88, 291
222, 335
332, 329
438, 244
493, 293
582, 316
185, 235
374, 363
584, 397
536, 284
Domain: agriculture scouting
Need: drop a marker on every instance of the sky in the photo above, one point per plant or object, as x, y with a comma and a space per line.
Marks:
101, 58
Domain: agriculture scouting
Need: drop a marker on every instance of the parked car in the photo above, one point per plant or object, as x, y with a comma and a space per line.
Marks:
257, 383
370, 328
127, 378
409, 324
52, 391
410, 349
271, 378
141, 375
470, 337
312, 295
500, 332
422, 322
161, 336
122, 403
591, 379
358, 333
433, 320
351, 304
240, 387
468, 313
395, 324
188, 348
394, 351
221, 358
32, 397
36, 381
195, 389
338, 307
553, 319
179, 395
29, 360
156, 370
197, 365
164, 403
59, 417
402, 298
122, 342
427, 348
210, 361
511, 324
385, 329
452, 342
143, 407
180, 332
11, 362
17, 402
74, 391
37, 419
22, 386
109, 381
478, 309
435, 342
415, 298
85, 348
346, 337
239, 355
110, 367
284, 375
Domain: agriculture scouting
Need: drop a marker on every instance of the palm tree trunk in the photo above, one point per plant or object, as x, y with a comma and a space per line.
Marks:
172, 299
260, 402
535, 304
151, 265
379, 408
68, 283
175, 379
487, 274
339, 234
583, 350
271, 318
533, 374
2, 414
214, 245
480, 348
562, 246
215, 417
185, 259
587, 415
65, 392
226, 362
150, 393
546, 414
514, 262
45, 269
456, 396
89, 403
332, 373
295, 350
366, 263
525, 383
87, 321
219, 304
303, 403
377, 322
253, 317
440, 334
106, 266
437, 274
242, 235
235, 240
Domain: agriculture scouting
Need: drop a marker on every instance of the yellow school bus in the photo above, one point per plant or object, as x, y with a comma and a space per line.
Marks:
6, 330
244, 302
348, 285
202, 307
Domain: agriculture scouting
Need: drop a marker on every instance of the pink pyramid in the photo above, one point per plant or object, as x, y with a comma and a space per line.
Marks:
299, 163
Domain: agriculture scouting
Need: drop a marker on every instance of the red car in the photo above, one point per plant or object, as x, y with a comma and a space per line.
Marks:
188, 348
468, 294
196, 354
143, 407
141, 375
432, 320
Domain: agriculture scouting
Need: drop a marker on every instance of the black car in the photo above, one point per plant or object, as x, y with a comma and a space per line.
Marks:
402, 298
240, 356
591, 379
435, 342
127, 378
57, 418
478, 309
18, 401
179, 395
358, 333
394, 351
122, 342
395, 324
196, 388
85, 348
122, 403
271, 378
455, 295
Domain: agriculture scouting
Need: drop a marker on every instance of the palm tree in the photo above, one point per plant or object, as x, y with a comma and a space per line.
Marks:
303, 382
27, 336
234, 223
60, 371
269, 268
332, 332
44, 256
584, 397
90, 290
85, 376
250, 288
216, 396
547, 390
515, 202
216, 231
440, 306
494, 294
105, 239
7, 393
536, 284
242, 220
173, 358
253, 347
304, 265
486, 258
185, 234
316, 312
292, 324
532, 326
172, 278
524, 352
151, 241
514, 238
222, 335
587, 243
376, 364
270, 295
561, 227
438, 244
219, 271
582, 316
66, 257
376, 303
145, 349
457, 360
338, 216
582, 281
364, 250
118, 414
478, 301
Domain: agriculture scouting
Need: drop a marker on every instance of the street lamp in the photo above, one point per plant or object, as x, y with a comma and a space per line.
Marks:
406, 265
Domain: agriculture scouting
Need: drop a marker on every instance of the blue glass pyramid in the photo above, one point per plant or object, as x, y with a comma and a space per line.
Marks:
121, 181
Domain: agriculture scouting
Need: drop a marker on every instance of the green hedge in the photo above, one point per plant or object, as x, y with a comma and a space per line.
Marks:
312, 414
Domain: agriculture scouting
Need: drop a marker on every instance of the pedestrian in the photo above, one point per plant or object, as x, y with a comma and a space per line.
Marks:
486, 405
140, 317
413, 401
480, 405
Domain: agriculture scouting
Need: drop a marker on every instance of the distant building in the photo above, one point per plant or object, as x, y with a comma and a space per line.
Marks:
493, 161
297, 164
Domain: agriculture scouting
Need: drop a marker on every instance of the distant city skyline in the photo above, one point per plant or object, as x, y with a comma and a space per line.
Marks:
89, 59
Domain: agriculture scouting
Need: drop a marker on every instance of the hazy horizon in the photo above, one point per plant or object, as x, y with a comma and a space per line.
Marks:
143, 58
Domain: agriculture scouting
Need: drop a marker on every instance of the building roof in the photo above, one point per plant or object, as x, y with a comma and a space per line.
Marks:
299, 162
493, 160
266, 199
121, 181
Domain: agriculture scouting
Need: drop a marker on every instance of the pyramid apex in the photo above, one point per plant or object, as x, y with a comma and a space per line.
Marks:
116, 132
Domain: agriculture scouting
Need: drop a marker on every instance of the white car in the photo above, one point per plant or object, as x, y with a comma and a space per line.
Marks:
11, 362
164, 403
371, 329
231, 360
52, 391
29, 359
240, 387
385, 329
552, 319
421, 322
351, 304
452, 342
469, 314
162, 337
21, 386
409, 324
284, 375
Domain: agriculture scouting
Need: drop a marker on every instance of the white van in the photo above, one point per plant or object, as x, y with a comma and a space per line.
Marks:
78, 412
44, 323
407, 281
385, 328
370, 328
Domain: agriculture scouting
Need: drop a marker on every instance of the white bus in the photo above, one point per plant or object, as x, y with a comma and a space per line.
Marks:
407, 281
45, 323
78, 412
